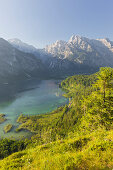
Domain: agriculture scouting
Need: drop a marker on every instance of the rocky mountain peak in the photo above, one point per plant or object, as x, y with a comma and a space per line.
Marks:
80, 42
75, 38
59, 43
107, 43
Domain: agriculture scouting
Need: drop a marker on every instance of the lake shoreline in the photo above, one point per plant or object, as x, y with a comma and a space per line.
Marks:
38, 98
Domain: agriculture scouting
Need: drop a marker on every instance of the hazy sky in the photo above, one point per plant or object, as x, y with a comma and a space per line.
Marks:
41, 22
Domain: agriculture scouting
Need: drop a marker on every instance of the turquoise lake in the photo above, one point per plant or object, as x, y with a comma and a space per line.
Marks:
30, 97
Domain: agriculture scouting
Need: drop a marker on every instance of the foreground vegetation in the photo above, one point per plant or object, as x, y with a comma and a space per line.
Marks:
76, 136
7, 147
93, 151
2, 118
8, 128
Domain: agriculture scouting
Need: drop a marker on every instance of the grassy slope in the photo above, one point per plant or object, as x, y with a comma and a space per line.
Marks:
92, 151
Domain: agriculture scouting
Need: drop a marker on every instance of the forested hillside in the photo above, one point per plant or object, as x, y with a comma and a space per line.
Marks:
75, 136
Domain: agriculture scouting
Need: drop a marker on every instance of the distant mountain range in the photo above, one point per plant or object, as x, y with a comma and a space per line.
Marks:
84, 51
78, 55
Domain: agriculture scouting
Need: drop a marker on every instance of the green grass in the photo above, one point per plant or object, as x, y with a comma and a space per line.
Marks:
92, 151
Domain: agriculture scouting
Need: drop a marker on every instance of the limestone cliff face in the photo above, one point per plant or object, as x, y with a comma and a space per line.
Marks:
84, 51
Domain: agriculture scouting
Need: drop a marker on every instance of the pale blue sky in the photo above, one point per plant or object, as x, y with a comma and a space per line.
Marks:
41, 22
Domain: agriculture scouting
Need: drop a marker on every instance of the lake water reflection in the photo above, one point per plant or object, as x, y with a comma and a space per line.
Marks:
30, 97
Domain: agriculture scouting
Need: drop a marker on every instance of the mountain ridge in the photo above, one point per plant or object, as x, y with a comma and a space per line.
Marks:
81, 50
75, 56
17, 64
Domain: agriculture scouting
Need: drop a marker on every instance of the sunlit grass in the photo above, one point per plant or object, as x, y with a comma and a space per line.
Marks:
93, 151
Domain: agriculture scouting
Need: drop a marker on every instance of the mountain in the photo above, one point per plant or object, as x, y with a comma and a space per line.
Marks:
17, 64
84, 54
20, 45
24, 47
77, 55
